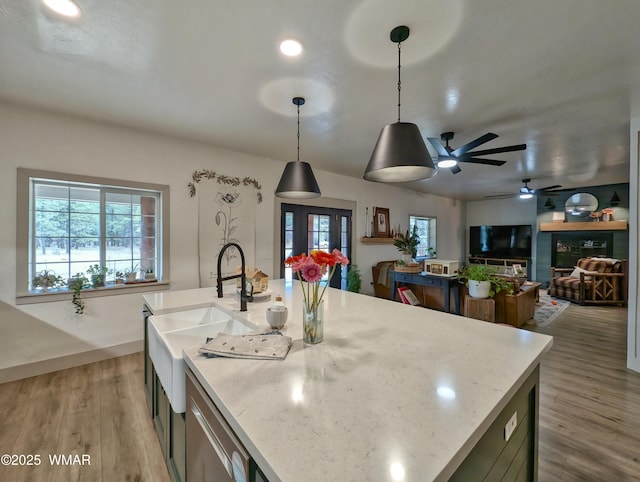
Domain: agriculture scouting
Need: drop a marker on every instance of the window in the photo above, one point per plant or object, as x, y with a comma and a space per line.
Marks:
427, 234
68, 223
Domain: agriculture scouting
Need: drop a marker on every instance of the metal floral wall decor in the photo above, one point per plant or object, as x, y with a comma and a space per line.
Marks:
227, 201
197, 176
226, 213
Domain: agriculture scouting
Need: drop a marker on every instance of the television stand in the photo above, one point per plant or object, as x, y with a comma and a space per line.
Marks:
501, 262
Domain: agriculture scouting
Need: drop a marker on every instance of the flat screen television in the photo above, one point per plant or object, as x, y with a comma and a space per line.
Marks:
511, 242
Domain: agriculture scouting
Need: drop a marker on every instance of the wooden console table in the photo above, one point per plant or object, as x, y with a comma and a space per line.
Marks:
445, 283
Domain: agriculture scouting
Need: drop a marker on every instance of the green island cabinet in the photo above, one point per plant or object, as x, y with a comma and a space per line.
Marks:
494, 458
169, 425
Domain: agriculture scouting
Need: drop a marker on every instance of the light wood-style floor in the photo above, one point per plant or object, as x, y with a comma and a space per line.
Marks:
97, 409
589, 401
589, 412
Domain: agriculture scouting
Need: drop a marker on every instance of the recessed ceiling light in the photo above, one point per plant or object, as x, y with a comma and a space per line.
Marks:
291, 47
68, 8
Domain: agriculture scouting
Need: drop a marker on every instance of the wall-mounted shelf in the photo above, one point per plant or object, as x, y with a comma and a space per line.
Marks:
589, 226
364, 240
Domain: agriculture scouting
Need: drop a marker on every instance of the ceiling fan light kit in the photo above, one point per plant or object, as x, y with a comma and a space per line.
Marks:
298, 181
400, 155
447, 163
525, 192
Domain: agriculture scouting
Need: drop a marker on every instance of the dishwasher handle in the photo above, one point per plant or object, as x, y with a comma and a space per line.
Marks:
213, 440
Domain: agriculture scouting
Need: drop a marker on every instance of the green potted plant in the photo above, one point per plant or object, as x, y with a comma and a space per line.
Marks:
47, 279
407, 244
131, 275
354, 279
482, 280
97, 274
119, 277
77, 283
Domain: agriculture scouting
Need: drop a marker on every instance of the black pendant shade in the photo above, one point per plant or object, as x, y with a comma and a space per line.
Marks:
298, 181
400, 155
615, 199
549, 204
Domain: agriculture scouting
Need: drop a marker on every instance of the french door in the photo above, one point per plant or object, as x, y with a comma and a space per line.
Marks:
308, 228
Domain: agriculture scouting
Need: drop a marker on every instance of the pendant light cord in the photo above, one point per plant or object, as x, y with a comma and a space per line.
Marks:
298, 132
399, 82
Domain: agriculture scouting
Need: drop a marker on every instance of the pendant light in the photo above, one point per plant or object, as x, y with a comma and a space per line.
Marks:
549, 204
615, 199
297, 179
400, 154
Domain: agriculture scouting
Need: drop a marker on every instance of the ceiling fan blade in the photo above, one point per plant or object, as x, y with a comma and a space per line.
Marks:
473, 144
498, 150
438, 146
455, 169
488, 162
544, 189
499, 196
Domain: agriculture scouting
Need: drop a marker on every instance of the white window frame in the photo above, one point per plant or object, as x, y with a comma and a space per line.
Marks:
430, 240
24, 227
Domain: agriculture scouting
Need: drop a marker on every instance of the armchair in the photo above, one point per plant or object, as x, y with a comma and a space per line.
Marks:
593, 281
382, 279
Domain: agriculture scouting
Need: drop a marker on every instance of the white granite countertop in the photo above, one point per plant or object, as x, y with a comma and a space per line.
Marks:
394, 392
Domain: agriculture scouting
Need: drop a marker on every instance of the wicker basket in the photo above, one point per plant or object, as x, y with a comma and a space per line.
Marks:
407, 269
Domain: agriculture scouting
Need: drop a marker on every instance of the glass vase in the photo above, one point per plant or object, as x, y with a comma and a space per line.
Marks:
312, 323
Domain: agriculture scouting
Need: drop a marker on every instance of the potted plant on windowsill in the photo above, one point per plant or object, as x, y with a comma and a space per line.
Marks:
131, 275
407, 244
47, 279
482, 280
97, 274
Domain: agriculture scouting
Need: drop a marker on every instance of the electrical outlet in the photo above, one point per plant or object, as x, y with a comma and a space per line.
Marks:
511, 425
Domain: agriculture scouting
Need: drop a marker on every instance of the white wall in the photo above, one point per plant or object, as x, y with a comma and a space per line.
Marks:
38, 140
633, 325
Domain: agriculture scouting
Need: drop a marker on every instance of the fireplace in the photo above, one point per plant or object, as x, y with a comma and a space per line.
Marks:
568, 247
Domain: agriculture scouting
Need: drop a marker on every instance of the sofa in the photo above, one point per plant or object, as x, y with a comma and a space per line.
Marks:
593, 281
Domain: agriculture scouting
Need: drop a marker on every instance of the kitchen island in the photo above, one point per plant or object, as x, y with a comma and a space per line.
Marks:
394, 392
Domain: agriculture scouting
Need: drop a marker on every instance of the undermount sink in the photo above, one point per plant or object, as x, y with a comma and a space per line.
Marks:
170, 333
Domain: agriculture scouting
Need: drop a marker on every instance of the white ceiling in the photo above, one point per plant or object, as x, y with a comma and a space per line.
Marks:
557, 75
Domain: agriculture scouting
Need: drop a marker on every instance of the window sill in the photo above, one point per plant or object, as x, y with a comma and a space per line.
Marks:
125, 289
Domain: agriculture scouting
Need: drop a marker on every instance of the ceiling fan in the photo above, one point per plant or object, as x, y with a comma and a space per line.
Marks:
449, 157
526, 192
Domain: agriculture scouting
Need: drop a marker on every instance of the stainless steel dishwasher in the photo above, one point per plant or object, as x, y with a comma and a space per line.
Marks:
214, 453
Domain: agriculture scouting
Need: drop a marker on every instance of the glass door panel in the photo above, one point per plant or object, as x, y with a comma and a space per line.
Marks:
308, 228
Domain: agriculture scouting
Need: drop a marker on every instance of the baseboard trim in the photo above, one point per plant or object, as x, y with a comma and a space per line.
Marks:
68, 361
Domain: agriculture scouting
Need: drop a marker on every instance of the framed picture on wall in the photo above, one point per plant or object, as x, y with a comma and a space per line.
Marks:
381, 223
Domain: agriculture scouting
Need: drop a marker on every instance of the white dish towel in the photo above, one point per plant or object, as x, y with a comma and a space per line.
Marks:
257, 347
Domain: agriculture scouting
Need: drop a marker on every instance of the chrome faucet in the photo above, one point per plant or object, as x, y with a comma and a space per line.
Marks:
242, 276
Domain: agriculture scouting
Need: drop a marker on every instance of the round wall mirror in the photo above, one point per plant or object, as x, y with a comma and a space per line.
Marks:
580, 206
